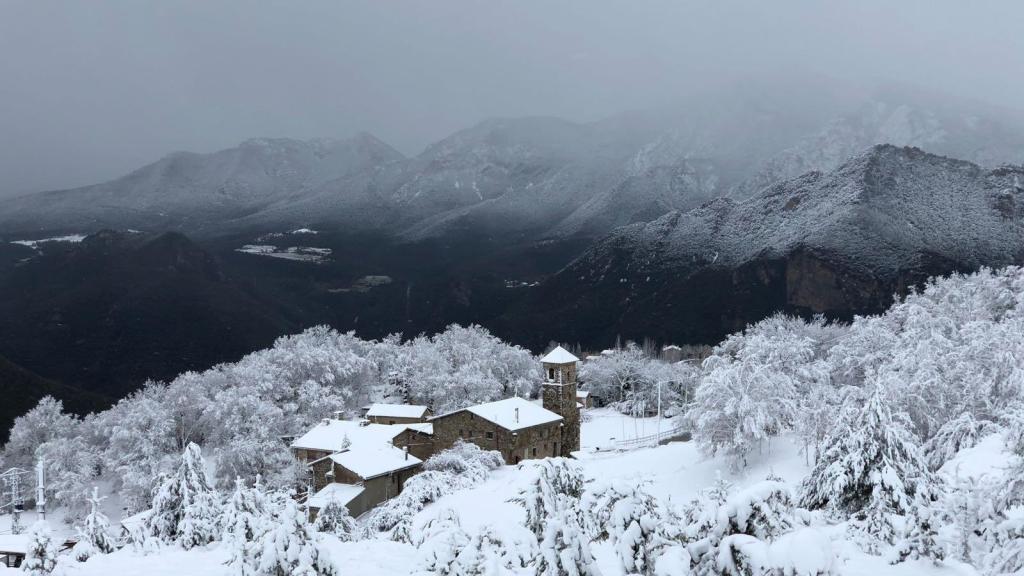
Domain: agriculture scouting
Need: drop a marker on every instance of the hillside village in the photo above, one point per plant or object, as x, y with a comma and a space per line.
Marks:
363, 463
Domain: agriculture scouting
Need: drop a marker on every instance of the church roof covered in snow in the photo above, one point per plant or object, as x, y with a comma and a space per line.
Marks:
372, 461
559, 356
342, 493
397, 411
514, 413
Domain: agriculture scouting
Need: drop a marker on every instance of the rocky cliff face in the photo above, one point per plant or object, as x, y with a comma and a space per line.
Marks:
838, 243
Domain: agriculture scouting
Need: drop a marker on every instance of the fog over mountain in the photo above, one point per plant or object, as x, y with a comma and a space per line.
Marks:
93, 91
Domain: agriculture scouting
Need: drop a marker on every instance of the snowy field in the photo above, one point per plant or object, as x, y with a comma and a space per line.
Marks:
674, 471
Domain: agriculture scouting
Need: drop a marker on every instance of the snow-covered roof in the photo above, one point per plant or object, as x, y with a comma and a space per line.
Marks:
671, 347
397, 410
136, 520
14, 543
582, 393
330, 436
514, 413
559, 356
421, 427
342, 493
372, 461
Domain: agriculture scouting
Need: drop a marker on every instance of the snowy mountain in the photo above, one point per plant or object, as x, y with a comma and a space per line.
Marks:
526, 179
839, 242
191, 191
972, 131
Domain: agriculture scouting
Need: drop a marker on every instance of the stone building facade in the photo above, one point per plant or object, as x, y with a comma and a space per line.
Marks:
542, 440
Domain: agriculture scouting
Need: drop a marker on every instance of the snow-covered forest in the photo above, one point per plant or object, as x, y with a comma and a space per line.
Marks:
893, 440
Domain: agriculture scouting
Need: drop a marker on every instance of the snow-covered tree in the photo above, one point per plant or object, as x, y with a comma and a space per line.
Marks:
44, 423
958, 434
564, 547
751, 387
71, 465
871, 459
41, 557
186, 508
557, 482
94, 535
334, 518
292, 548
246, 518
920, 537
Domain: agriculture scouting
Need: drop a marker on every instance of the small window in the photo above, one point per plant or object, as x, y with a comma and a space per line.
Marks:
534, 451
551, 373
391, 421
490, 435
462, 433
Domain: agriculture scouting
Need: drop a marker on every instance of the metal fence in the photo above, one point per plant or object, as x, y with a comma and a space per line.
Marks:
651, 439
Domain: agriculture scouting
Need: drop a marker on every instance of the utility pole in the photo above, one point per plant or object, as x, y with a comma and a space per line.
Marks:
41, 490
659, 410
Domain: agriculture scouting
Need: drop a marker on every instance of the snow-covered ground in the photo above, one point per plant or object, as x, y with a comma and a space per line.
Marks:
34, 244
675, 471
297, 253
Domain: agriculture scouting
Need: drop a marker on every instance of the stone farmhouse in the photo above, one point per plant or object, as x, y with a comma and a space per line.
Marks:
364, 463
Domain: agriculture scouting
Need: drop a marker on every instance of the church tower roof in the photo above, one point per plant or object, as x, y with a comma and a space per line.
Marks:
559, 356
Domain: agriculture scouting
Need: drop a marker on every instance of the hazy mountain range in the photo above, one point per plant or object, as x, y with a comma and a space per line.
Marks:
681, 225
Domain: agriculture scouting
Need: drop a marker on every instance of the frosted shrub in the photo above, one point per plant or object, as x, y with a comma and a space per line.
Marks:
335, 519
42, 555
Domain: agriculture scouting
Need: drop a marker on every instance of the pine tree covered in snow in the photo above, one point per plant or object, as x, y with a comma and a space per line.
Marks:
335, 519
186, 508
1007, 553
920, 538
970, 507
872, 459
872, 527
94, 535
557, 482
41, 557
291, 548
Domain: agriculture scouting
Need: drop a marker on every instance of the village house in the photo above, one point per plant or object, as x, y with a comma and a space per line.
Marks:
397, 414
360, 464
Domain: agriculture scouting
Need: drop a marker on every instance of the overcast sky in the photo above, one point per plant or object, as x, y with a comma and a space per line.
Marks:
91, 90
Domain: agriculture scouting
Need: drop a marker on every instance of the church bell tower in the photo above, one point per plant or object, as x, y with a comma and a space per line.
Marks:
559, 396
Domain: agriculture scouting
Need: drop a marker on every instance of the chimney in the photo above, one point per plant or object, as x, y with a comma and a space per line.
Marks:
517, 415
406, 450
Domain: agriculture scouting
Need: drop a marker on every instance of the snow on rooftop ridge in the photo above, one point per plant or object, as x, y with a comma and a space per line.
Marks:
514, 413
335, 491
328, 436
559, 356
372, 461
397, 410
